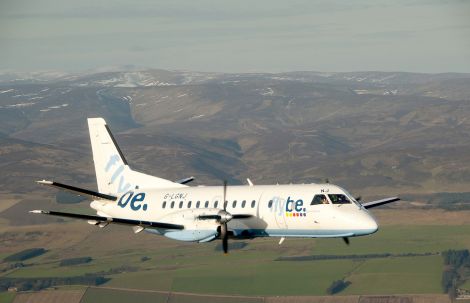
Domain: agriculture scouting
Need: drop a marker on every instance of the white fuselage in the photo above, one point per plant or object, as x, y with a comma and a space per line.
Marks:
277, 211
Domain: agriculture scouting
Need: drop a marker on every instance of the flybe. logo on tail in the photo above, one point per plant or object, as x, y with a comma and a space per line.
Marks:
134, 201
122, 185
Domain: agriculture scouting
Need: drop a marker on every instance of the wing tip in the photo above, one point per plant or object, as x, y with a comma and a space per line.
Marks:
45, 182
38, 211
96, 121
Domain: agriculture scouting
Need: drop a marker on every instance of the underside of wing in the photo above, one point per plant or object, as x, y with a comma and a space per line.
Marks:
100, 219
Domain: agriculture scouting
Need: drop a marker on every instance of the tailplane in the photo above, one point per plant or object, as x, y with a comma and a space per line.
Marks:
113, 174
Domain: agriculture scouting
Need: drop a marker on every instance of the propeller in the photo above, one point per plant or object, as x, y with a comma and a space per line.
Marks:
223, 225
223, 217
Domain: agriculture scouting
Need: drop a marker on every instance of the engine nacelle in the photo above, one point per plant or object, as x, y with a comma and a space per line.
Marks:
195, 230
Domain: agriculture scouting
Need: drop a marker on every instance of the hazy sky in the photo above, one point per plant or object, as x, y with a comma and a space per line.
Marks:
236, 36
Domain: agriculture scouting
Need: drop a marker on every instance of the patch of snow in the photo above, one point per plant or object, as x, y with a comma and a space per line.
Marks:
282, 78
68, 90
7, 91
267, 92
165, 84
107, 81
58, 106
182, 95
196, 117
390, 92
361, 91
20, 105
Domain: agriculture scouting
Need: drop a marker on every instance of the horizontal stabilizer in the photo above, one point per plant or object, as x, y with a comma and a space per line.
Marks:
185, 180
380, 202
100, 219
79, 191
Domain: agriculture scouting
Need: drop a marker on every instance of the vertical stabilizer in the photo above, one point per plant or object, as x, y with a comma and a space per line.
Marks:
113, 174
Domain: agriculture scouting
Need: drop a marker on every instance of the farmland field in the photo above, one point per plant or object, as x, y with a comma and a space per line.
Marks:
152, 263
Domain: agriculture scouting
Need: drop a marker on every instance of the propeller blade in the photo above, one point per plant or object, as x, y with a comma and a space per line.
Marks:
209, 217
224, 236
225, 195
346, 240
242, 216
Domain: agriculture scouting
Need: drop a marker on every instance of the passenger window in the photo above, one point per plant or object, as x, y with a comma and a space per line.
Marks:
198, 203
181, 204
189, 204
216, 203
164, 204
234, 204
172, 204
207, 204
253, 204
270, 203
319, 199
339, 199
243, 203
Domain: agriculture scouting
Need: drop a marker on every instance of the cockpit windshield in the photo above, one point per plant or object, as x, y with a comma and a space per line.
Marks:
319, 199
339, 199
352, 199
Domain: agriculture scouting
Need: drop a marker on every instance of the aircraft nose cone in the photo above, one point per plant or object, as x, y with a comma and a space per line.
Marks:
370, 225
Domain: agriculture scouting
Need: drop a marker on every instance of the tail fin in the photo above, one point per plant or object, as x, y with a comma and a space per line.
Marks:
113, 174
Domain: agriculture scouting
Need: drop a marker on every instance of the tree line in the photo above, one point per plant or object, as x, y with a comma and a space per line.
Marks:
455, 262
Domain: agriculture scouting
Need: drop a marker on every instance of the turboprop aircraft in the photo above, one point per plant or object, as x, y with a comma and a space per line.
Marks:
205, 213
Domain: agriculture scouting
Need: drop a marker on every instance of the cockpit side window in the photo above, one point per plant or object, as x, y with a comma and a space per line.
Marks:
339, 199
319, 199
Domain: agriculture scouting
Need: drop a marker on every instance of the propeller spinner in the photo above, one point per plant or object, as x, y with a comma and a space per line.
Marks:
223, 217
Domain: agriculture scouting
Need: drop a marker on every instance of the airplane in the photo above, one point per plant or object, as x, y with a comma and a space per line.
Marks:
206, 213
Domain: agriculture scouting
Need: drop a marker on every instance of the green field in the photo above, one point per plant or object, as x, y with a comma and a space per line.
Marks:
115, 296
199, 268
6, 297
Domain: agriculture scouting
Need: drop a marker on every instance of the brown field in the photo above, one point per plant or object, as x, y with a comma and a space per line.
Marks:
56, 296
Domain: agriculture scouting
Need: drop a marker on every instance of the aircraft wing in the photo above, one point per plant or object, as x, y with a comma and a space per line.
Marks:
100, 219
380, 202
79, 191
